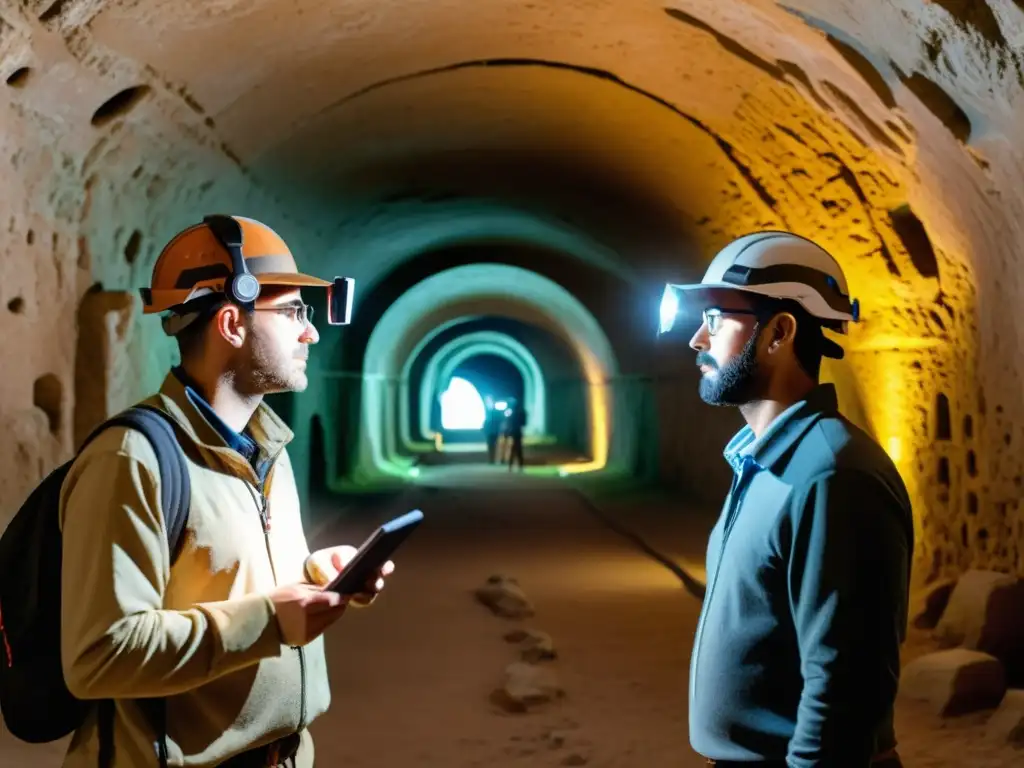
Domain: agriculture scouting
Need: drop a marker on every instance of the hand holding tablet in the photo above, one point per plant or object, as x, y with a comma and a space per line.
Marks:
360, 574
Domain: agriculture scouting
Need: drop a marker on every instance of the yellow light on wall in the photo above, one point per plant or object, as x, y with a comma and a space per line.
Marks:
598, 416
895, 449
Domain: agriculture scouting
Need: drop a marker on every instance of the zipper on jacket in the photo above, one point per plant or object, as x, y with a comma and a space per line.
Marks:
737, 491
264, 509
302, 690
264, 518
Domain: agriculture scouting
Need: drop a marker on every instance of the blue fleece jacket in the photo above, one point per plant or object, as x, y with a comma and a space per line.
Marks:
796, 655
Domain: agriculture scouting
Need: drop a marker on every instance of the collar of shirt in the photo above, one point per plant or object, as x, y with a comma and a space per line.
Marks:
745, 445
237, 441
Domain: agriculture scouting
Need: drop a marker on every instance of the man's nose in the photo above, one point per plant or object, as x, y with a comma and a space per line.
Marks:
309, 334
701, 342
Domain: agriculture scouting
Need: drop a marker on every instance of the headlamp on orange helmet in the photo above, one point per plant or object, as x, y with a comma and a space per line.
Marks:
230, 257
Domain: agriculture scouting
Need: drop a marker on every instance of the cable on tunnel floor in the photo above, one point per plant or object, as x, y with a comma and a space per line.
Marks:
692, 584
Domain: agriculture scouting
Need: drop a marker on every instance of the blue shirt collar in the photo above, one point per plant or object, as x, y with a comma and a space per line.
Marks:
744, 445
237, 441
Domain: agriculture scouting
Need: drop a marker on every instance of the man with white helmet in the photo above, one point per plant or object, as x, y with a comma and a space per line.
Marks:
796, 656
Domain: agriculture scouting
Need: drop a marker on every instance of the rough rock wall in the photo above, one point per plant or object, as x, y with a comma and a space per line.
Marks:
890, 131
90, 193
922, 205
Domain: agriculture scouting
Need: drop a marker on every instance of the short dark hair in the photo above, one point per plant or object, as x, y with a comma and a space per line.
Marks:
190, 338
809, 343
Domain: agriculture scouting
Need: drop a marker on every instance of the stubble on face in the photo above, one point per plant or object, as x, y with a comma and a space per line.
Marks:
269, 365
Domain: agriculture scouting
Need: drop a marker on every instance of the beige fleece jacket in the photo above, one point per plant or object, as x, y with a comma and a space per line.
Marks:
199, 633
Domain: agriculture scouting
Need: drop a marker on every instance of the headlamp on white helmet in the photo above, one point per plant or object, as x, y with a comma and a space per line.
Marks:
768, 265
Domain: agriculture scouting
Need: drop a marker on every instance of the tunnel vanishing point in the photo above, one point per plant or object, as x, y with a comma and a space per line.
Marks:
519, 180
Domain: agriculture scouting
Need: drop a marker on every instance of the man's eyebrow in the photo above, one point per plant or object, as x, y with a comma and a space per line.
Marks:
290, 302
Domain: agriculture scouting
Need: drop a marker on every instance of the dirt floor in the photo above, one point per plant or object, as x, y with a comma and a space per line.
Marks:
413, 675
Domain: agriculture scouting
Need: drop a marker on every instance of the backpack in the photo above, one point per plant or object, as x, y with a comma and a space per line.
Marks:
36, 704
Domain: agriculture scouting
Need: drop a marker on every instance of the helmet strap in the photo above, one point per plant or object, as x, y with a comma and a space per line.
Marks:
241, 288
183, 315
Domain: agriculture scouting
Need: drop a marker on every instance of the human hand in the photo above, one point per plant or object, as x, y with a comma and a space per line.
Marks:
324, 565
304, 611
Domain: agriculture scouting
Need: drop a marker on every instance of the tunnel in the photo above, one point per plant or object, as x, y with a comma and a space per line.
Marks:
511, 185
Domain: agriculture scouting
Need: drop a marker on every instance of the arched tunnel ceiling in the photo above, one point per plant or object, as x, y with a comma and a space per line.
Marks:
889, 131
818, 116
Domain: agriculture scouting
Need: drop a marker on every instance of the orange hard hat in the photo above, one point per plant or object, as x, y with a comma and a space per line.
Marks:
196, 263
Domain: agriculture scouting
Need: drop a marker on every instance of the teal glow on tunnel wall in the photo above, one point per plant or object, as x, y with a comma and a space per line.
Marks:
473, 290
443, 363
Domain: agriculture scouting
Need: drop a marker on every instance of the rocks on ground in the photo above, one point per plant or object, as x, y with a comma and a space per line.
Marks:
534, 645
954, 682
985, 613
505, 598
928, 604
978, 622
564, 739
527, 685
1006, 726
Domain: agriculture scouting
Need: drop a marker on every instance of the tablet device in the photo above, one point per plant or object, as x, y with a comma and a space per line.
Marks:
374, 552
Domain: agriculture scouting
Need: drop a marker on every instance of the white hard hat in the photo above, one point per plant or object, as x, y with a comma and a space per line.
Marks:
777, 265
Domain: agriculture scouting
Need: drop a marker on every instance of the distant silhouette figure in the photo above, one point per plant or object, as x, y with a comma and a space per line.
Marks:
492, 429
515, 420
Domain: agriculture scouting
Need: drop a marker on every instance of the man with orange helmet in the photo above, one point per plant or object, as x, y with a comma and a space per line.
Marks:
225, 631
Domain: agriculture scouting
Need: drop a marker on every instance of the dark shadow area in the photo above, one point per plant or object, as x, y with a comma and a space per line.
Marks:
317, 459
865, 69
119, 105
873, 128
912, 234
940, 104
943, 430
975, 15
728, 43
606, 204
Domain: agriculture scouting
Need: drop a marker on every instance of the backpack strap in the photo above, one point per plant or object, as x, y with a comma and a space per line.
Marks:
175, 487
175, 502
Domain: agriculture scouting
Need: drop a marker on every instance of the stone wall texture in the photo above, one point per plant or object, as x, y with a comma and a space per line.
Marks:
890, 132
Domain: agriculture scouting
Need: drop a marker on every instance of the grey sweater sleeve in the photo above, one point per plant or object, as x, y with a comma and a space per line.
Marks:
847, 588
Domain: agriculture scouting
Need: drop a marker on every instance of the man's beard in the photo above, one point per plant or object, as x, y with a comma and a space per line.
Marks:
736, 382
266, 370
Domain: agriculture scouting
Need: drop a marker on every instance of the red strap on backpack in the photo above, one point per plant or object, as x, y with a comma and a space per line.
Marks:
7, 645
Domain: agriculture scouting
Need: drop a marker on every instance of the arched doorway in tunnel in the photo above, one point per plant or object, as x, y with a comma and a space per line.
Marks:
432, 376
465, 392
470, 291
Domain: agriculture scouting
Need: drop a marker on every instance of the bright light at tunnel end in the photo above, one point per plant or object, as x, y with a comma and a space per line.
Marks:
461, 406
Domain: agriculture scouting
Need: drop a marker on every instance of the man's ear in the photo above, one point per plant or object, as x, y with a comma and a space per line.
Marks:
783, 331
231, 325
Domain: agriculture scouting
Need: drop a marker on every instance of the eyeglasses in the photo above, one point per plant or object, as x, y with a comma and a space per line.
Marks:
713, 317
303, 313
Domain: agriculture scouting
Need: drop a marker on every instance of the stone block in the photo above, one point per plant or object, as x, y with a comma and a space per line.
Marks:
105, 327
505, 598
928, 604
954, 682
1006, 726
986, 613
